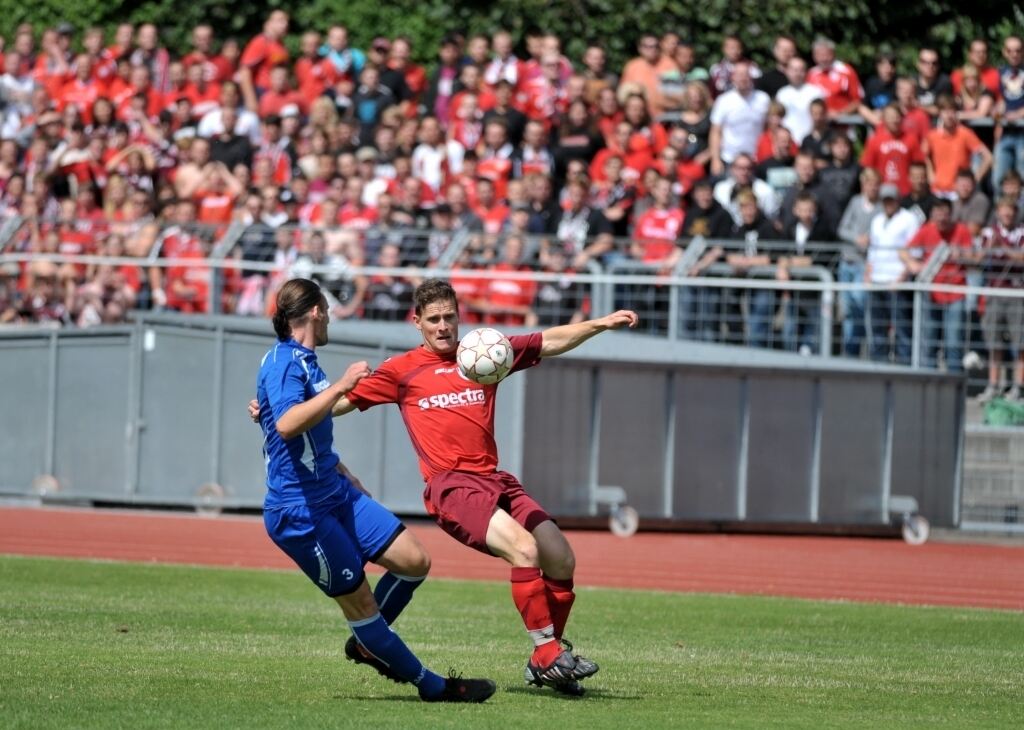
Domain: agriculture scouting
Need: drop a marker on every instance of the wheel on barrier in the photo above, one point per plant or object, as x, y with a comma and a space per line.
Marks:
45, 484
624, 521
209, 500
916, 529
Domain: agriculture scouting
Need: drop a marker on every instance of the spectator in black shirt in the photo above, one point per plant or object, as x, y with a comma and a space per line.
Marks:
775, 78
880, 89
920, 199
817, 142
230, 148
840, 176
503, 111
931, 82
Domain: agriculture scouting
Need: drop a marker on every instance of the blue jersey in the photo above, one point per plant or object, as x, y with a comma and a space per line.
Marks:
300, 469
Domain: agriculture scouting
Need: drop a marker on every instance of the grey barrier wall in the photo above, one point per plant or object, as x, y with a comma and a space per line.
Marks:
707, 442
153, 413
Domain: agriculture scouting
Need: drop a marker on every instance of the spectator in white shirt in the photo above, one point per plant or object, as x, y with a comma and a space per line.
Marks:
737, 120
891, 230
797, 96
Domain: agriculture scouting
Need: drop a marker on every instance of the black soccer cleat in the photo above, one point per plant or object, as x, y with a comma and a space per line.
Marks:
357, 654
457, 689
571, 687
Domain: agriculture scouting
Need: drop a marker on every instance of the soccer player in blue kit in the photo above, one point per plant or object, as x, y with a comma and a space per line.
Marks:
316, 514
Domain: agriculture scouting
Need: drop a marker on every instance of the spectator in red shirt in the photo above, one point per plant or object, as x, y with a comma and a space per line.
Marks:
139, 85
656, 231
415, 76
545, 97
890, 150
507, 300
261, 55
944, 324
314, 73
203, 95
215, 68
82, 90
977, 56
187, 288
839, 81
104, 65
280, 94
490, 210
217, 194
123, 41
915, 119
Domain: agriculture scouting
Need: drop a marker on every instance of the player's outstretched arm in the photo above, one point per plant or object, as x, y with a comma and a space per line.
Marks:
340, 408
558, 340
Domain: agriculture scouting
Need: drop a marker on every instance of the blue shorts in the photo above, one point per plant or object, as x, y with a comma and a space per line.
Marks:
333, 540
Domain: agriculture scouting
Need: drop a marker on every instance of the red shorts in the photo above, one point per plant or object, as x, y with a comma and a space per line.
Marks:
462, 504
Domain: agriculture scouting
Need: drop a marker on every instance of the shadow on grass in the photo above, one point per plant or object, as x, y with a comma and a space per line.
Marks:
593, 693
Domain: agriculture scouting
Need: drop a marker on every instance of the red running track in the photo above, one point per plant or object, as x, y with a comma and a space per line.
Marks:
854, 569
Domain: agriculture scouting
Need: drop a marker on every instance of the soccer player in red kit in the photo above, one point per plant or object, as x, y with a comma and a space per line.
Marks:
450, 421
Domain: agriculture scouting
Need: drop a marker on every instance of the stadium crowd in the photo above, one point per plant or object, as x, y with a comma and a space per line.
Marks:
529, 160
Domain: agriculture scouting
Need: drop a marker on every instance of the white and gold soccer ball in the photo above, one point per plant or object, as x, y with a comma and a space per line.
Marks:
485, 356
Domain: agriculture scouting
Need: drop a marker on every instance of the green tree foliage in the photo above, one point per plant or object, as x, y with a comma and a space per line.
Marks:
860, 27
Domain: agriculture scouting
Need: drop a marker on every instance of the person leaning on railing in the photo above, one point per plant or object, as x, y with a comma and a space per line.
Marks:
1001, 251
890, 309
855, 232
944, 312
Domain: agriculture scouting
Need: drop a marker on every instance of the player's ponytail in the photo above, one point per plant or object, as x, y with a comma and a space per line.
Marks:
295, 299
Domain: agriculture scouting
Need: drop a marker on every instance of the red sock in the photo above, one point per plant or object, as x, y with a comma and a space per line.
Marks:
529, 593
560, 598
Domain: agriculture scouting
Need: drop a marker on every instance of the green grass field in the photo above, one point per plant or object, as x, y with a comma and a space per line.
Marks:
108, 645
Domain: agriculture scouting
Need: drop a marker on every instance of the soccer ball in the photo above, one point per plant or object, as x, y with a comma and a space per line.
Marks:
485, 356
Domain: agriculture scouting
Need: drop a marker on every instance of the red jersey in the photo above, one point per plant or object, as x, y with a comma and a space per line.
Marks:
215, 208
467, 288
840, 84
657, 232
215, 68
501, 292
82, 96
314, 76
261, 55
891, 157
927, 238
450, 419
272, 102
494, 217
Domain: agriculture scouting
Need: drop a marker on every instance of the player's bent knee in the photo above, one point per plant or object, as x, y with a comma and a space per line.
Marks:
419, 563
526, 553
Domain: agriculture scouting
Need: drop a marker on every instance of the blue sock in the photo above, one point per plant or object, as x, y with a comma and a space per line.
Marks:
393, 593
378, 639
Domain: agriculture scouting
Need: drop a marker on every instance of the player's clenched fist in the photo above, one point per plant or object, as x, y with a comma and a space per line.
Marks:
356, 372
622, 318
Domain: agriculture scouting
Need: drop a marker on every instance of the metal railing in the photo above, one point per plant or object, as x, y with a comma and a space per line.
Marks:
738, 299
